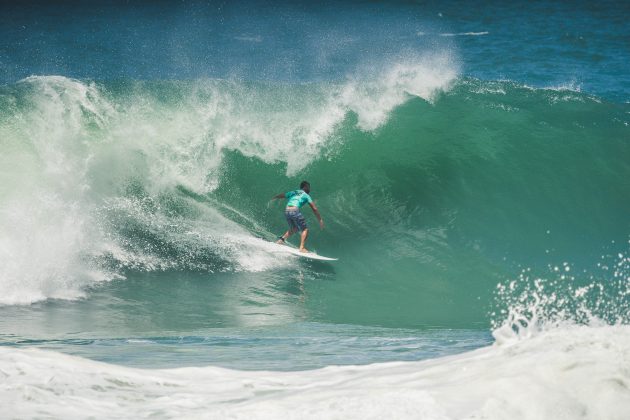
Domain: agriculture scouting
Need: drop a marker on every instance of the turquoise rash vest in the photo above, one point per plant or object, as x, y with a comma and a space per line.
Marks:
298, 198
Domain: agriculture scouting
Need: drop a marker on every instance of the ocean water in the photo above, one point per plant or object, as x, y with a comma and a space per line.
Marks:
472, 166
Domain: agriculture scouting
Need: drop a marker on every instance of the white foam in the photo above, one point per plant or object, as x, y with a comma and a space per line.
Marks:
46, 229
249, 38
573, 372
449, 34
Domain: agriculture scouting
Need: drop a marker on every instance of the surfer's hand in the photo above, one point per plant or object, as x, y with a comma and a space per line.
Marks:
321, 224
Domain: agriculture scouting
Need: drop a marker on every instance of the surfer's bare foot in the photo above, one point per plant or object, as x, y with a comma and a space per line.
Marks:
304, 250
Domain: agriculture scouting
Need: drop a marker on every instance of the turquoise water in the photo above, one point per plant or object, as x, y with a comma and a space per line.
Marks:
471, 167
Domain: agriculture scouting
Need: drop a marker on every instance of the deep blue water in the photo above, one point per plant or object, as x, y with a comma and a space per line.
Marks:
580, 44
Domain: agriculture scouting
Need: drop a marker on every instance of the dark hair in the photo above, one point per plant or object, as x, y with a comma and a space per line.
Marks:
304, 184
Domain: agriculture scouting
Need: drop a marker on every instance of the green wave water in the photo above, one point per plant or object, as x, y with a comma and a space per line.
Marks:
433, 190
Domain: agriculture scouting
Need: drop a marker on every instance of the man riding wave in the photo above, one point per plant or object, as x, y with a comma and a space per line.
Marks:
295, 219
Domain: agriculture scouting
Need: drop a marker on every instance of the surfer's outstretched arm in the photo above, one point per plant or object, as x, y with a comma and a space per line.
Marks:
278, 197
319, 217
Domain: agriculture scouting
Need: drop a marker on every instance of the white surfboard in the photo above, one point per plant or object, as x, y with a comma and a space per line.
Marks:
310, 255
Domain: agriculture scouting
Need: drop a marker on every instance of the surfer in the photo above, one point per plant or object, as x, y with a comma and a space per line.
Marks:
295, 219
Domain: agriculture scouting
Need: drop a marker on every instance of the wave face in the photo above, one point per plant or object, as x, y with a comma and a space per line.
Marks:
434, 187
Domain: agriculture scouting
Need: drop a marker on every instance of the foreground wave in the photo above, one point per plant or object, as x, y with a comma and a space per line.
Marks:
574, 372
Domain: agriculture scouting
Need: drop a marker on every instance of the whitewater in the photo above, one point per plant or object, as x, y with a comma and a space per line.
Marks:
578, 372
471, 167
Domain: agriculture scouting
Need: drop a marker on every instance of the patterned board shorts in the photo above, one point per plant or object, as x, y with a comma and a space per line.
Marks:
296, 220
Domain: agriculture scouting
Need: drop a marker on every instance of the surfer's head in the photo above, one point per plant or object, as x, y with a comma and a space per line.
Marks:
305, 186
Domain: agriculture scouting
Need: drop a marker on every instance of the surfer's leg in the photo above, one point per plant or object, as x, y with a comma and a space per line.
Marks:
293, 227
303, 237
285, 236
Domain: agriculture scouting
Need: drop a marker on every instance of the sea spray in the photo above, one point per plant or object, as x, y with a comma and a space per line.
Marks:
530, 304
